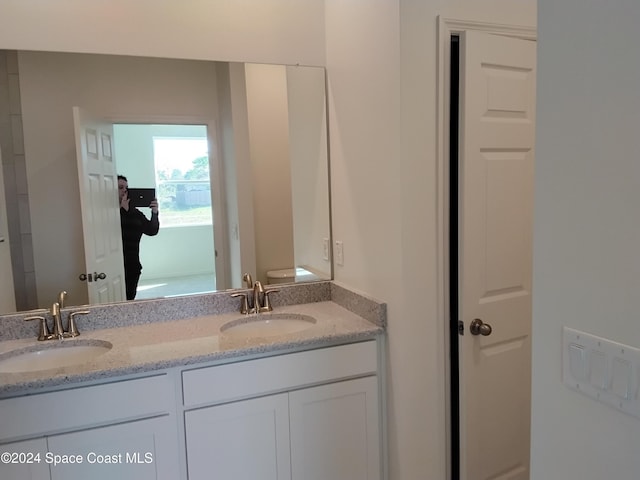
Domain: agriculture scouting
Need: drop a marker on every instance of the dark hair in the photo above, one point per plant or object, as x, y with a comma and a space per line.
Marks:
122, 177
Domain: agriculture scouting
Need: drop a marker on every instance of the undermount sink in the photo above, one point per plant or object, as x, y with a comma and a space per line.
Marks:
47, 357
267, 324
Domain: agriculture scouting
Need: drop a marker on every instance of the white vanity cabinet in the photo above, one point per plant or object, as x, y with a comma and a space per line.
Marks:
306, 415
322, 424
21, 464
247, 439
140, 450
124, 430
334, 431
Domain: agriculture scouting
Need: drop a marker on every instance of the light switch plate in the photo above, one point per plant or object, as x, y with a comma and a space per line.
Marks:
602, 369
339, 253
325, 249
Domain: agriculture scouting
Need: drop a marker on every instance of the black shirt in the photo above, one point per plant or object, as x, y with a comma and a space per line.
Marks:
134, 224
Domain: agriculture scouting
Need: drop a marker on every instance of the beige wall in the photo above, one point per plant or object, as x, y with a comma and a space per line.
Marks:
381, 66
234, 128
7, 299
270, 166
587, 232
273, 31
309, 172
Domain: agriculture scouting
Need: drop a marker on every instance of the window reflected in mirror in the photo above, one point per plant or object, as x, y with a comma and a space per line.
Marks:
173, 159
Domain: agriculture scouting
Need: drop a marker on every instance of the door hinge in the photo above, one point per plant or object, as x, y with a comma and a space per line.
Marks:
460, 327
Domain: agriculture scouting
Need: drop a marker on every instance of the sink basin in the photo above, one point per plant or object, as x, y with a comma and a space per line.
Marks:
267, 324
46, 357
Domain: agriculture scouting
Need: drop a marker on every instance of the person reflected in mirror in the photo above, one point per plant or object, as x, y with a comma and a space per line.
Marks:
134, 224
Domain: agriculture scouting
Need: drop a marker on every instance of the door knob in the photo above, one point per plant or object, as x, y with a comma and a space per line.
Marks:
92, 277
478, 327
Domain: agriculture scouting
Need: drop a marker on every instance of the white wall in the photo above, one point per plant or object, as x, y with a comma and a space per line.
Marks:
586, 266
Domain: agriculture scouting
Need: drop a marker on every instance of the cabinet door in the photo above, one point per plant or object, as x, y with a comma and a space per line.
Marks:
27, 451
246, 440
335, 431
141, 450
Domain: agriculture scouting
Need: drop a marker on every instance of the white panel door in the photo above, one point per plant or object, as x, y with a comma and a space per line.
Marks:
142, 450
26, 460
246, 440
334, 431
497, 105
100, 207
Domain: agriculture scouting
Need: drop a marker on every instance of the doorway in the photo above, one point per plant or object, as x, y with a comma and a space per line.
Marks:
173, 159
487, 112
454, 79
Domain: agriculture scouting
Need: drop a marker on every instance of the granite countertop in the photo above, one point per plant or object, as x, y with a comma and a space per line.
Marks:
153, 346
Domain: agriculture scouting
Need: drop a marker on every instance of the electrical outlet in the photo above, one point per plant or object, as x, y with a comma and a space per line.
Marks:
339, 253
325, 249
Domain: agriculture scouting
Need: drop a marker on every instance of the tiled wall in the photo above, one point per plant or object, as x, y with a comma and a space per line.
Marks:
15, 182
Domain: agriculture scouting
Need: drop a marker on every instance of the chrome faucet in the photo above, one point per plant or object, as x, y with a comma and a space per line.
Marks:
58, 331
258, 295
62, 297
255, 301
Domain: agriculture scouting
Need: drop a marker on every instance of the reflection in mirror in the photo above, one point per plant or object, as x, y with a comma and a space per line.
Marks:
265, 127
174, 160
7, 299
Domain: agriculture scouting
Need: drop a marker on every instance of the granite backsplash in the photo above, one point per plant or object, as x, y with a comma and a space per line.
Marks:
125, 314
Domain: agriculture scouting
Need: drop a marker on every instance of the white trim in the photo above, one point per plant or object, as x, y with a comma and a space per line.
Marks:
382, 399
446, 28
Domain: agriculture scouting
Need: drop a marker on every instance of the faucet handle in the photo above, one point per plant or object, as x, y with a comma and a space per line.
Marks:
72, 330
244, 306
44, 333
267, 303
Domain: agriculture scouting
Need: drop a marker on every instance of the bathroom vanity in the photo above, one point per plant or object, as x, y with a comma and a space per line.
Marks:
206, 397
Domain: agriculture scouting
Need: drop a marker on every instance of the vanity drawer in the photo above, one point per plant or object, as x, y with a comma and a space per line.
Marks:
85, 407
250, 378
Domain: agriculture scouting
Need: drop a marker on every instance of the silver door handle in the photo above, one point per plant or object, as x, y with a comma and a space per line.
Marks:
478, 327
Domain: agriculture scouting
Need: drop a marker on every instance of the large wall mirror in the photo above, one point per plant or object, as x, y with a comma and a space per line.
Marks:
237, 154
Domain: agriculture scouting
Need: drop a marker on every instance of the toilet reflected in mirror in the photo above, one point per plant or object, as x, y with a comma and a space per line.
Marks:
290, 275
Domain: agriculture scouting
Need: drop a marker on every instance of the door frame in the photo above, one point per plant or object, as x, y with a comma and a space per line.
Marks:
446, 28
220, 237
